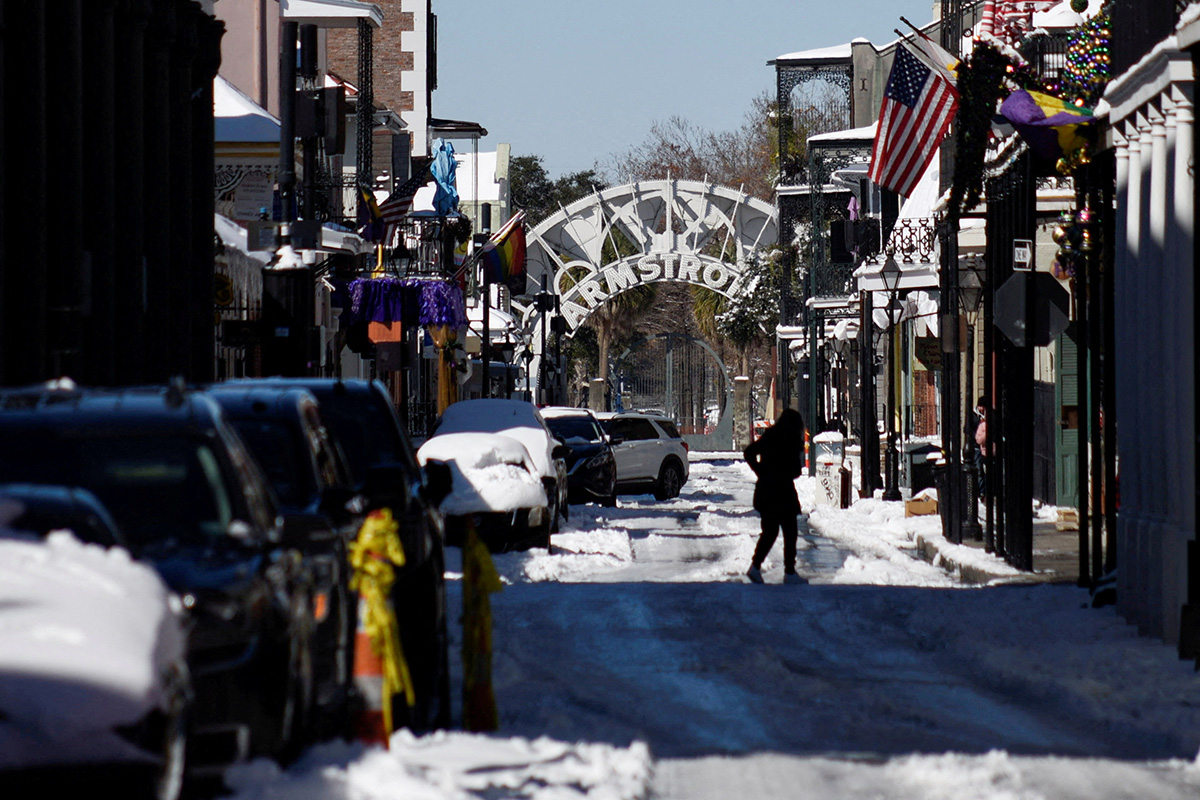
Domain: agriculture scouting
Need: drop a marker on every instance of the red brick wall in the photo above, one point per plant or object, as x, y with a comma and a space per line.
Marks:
390, 60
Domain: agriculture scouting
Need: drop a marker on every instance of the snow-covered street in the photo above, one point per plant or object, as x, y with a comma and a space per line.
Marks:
636, 660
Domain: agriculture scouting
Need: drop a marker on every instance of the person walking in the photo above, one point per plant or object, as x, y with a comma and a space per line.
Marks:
777, 458
982, 451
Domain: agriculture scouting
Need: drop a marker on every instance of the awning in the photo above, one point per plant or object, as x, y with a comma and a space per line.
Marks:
237, 118
331, 13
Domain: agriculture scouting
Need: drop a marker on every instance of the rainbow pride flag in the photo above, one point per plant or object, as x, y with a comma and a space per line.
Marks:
503, 257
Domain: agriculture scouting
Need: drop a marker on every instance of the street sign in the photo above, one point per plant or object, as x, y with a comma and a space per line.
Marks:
1023, 254
1032, 309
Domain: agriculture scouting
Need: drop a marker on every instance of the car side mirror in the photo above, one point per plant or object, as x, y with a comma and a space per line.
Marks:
561, 451
301, 529
438, 481
615, 440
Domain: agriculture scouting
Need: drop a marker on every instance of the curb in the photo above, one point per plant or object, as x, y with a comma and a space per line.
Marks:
933, 549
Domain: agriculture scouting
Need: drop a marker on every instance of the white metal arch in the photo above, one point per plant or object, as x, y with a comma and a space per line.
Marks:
673, 224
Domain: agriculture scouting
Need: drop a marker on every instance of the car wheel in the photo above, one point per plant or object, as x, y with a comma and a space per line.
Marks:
670, 480
297, 710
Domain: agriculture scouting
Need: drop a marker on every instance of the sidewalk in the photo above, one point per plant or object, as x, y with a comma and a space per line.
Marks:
1055, 557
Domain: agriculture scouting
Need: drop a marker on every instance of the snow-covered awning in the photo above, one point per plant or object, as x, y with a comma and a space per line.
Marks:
912, 276
331, 13
234, 236
841, 52
865, 133
237, 118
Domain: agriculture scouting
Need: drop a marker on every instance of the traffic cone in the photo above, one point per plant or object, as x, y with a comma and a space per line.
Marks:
370, 726
380, 670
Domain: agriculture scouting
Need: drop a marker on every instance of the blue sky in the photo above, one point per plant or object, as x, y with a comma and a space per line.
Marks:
576, 82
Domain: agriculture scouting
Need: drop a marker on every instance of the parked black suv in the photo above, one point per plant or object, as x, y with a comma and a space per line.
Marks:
286, 435
365, 424
189, 499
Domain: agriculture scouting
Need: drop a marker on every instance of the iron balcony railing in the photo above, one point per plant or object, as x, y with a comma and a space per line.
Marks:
1048, 54
911, 241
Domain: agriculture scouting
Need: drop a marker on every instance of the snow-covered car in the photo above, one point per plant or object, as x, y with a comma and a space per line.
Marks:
495, 488
521, 420
191, 501
93, 670
651, 455
591, 465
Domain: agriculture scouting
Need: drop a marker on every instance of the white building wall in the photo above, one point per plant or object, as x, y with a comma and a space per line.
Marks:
1151, 122
416, 80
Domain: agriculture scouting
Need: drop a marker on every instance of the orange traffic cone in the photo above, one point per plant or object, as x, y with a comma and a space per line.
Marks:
370, 726
380, 671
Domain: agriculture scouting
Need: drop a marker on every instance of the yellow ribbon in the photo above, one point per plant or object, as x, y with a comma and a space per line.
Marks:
374, 556
479, 580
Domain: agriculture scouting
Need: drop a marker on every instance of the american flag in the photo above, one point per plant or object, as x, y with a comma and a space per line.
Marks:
918, 106
400, 201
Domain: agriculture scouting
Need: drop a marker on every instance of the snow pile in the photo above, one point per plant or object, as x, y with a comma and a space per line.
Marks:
885, 542
86, 636
453, 766
489, 473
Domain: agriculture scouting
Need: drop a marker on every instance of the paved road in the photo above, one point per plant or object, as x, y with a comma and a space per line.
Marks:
641, 627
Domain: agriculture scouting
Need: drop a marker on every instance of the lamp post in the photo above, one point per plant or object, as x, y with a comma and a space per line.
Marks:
970, 296
545, 304
890, 274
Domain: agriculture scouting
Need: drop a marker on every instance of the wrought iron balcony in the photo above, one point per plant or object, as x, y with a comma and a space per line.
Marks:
1048, 54
912, 241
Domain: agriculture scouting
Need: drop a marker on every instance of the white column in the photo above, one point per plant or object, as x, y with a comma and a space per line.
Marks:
1181, 396
1123, 355
1185, 232
1160, 456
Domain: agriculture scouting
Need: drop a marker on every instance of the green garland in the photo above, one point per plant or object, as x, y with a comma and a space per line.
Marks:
981, 84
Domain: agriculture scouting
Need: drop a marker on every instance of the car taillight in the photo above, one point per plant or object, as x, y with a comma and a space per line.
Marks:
686, 449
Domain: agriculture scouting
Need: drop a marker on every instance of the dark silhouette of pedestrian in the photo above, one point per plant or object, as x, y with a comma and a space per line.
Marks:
777, 458
982, 450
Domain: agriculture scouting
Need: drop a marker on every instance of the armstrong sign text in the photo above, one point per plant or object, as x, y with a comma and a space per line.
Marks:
580, 300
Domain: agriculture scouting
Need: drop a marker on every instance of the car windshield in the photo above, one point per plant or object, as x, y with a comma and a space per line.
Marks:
158, 490
580, 429
366, 433
277, 450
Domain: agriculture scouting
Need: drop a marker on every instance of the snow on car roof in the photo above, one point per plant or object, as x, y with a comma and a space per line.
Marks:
474, 450
565, 411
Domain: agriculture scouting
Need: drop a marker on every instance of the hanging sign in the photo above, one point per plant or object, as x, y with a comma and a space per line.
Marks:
594, 290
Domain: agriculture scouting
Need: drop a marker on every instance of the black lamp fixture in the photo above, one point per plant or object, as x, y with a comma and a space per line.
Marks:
970, 286
506, 349
890, 275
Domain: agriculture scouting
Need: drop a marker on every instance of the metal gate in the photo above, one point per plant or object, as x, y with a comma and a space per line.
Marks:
680, 377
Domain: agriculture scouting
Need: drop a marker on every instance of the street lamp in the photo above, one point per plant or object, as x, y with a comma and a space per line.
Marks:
506, 349
890, 275
970, 297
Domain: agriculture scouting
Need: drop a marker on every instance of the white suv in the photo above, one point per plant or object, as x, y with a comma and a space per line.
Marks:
651, 455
